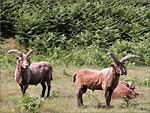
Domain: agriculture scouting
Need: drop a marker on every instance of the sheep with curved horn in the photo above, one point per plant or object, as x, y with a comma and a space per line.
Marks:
26, 74
106, 79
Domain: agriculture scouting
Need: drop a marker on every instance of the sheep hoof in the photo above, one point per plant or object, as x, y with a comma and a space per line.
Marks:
108, 107
42, 98
23, 94
48, 97
82, 106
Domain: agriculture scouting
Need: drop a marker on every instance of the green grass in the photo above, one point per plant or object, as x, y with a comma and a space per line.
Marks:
63, 94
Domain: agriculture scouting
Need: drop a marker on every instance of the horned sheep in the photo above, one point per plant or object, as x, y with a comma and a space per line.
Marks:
26, 74
106, 79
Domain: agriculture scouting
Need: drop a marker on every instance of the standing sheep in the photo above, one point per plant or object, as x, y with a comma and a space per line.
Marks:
26, 74
106, 79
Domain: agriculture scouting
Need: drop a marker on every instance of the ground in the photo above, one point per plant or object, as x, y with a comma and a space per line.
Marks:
63, 94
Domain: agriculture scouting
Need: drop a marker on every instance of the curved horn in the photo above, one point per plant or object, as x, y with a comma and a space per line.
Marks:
113, 56
28, 54
16, 51
130, 57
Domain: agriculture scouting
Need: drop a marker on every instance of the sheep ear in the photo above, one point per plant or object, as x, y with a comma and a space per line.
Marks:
112, 65
28, 54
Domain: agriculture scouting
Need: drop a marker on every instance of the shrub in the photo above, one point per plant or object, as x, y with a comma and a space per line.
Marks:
31, 103
61, 29
129, 102
122, 48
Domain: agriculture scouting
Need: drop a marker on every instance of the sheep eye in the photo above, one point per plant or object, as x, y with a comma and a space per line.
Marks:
18, 59
130, 92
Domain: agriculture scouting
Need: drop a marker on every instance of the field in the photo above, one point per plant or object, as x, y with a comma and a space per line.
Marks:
70, 35
63, 93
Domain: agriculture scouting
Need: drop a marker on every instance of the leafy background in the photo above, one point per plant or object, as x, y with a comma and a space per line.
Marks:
73, 32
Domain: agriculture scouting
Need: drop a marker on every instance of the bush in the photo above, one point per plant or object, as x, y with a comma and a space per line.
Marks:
129, 102
79, 32
122, 48
31, 103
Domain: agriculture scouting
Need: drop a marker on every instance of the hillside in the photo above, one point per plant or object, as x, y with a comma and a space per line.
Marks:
79, 32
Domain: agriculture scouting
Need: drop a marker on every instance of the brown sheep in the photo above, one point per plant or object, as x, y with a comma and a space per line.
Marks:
124, 89
106, 79
38, 72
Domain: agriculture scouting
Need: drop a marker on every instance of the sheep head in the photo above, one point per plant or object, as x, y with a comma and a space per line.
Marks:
23, 60
118, 65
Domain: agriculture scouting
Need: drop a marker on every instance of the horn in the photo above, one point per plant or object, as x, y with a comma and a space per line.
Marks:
130, 57
16, 51
130, 84
113, 56
29, 52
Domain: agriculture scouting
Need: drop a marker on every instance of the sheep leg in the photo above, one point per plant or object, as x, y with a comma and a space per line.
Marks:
43, 89
79, 95
82, 100
49, 88
83, 90
108, 94
24, 88
79, 99
21, 86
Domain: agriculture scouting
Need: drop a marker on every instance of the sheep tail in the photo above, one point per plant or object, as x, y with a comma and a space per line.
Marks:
74, 78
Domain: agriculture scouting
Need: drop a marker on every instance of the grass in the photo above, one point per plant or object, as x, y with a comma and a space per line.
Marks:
63, 94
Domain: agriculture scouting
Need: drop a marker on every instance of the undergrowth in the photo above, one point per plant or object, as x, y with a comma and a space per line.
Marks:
31, 103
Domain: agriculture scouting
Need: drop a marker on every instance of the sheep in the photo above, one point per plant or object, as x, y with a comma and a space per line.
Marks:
106, 79
38, 72
124, 89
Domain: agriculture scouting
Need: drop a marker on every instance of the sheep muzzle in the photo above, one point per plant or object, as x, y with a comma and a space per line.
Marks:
25, 65
124, 70
23, 62
119, 68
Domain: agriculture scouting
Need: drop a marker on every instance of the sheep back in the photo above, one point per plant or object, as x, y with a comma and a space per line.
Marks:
40, 71
95, 79
88, 77
122, 90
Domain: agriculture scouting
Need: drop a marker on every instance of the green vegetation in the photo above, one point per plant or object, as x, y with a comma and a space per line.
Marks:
31, 103
63, 94
73, 32
129, 103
